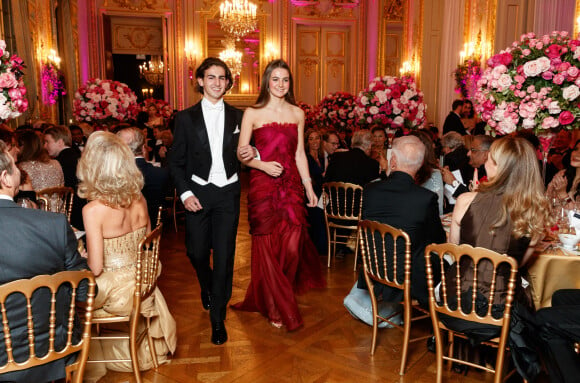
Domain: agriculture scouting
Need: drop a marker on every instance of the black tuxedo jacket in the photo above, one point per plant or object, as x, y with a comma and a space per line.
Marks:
155, 186
35, 242
453, 124
399, 202
68, 159
353, 166
191, 154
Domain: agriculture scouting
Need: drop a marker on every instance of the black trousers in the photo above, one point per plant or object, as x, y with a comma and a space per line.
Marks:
214, 228
560, 329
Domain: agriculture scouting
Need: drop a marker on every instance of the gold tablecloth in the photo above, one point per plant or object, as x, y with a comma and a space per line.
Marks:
554, 269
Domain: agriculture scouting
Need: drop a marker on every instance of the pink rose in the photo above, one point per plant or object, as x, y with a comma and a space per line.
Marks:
558, 79
566, 117
547, 75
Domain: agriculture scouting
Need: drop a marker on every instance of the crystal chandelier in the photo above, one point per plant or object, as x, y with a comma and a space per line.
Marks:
153, 71
238, 17
232, 58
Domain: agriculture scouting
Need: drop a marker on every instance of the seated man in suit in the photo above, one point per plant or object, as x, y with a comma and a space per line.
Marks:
354, 166
34, 242
156, 178
399, 202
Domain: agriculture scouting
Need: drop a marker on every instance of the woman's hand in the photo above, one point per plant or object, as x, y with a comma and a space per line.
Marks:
312, 199
246, 152
557, 186
272, 168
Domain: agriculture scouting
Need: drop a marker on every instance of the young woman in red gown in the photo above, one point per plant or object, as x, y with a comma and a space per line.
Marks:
284, 259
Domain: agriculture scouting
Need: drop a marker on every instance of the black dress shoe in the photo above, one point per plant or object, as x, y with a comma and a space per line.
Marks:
219, 334
205, 299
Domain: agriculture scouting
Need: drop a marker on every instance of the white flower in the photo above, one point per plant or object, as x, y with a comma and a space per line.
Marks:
570, 92
544, 63
504, 81
498, 114
398, 120
382, 96
373, 110
409, 94
532, 68
507, 126
528, 123
554, 108
4, 112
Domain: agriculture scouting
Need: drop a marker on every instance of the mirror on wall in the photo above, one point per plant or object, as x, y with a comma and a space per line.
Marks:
242, 56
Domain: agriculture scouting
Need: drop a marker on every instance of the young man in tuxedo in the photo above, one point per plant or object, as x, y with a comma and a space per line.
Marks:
204, 167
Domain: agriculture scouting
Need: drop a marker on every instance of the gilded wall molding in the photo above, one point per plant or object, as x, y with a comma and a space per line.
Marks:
324, 9
137, 5
394, 11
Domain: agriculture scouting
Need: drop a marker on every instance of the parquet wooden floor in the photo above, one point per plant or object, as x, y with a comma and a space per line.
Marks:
331, 347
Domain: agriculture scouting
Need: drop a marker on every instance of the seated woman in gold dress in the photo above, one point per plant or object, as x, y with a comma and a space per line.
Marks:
116, 220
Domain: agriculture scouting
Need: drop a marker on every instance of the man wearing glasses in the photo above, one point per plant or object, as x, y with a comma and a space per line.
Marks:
472, 173
330, 143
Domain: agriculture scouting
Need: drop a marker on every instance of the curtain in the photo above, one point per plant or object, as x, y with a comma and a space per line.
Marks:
550, 15
452, 44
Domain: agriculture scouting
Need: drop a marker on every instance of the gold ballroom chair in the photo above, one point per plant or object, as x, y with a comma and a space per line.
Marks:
57, 199
146, 273
49, 285
451, 305
380, 247
342, 211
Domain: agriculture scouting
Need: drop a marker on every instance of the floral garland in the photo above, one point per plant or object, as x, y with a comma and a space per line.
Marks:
391, 102
163, 107
336, 111
310, 113
52, 84
466, 77
101, 100
534, 84
12, 90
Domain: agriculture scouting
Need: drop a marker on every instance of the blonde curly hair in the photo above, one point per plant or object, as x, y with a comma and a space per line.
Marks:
519, 181
107, 172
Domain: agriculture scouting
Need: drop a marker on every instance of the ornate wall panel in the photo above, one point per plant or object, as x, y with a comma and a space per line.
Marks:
307, 72
335, 61
136, 35
511, 22
391, 37
431, 57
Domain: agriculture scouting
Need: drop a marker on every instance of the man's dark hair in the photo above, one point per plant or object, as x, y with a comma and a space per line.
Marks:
456, 104
329, 133
206, 64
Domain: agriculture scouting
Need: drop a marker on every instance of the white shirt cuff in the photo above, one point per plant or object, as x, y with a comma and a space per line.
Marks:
186, 195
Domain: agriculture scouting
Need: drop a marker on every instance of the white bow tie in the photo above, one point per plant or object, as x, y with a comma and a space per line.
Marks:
218, 106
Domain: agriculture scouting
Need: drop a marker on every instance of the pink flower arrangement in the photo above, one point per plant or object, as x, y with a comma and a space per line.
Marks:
100, 100
391, 102
310, 113
163, 107
12, 90
534, 84
466, 77
336, 111
52, 84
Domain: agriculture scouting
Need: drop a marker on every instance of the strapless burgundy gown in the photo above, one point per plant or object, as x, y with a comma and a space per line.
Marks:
284, 259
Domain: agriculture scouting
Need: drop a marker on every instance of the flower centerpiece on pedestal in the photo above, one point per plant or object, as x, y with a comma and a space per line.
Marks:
163, 107
336, 111
104, 100
466, 77
52, 83
391, 102
534, 84
12, 90
310, 113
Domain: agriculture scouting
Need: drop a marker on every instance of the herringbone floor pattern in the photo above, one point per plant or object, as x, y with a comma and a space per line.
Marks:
331, 347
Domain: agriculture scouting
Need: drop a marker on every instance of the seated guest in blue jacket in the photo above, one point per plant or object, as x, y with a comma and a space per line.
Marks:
34, 242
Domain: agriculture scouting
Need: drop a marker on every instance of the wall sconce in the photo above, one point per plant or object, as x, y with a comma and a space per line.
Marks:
147, 92
191, 53
270, 52
410, 67
53, 58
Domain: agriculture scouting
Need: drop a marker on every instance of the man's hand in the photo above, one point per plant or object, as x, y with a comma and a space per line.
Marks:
448, 177
192, 204
247, 152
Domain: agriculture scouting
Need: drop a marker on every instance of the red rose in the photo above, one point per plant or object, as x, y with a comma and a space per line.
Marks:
553, 51
506, 58
566, 117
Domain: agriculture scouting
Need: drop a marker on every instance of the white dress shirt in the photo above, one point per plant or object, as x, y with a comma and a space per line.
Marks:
213, 116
